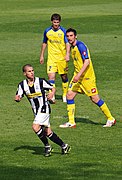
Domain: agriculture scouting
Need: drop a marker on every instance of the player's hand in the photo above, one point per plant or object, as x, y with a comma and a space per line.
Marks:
50, 95
17, 98
41, 60
76, 78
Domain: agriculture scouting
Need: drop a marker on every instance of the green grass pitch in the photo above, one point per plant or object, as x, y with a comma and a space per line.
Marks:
96, 152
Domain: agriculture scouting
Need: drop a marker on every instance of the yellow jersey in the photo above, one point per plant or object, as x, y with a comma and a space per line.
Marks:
56, 41
79, 53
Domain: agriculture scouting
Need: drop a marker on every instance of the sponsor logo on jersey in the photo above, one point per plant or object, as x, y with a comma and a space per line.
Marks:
59, 35
55, 41
84, 53
93, 90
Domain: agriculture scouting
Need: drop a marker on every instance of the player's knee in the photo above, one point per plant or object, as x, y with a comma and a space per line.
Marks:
36, 127
48, 131
95, 98
69, 95
51, 76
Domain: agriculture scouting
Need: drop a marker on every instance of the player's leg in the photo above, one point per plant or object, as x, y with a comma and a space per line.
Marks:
41, 120
64, 86
51, 71
57, 140
70, 109
104, 108
51, 78
62, 71
90, 89
39, 130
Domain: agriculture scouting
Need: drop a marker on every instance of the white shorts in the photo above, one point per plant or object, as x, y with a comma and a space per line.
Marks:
42, 119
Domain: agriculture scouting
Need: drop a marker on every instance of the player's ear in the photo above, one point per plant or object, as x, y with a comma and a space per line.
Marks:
24, 73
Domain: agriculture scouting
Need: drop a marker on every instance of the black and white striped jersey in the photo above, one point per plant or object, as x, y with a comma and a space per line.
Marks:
36, 94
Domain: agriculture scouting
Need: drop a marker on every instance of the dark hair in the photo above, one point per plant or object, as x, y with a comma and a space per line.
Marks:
24, 67
71, 30
55, 17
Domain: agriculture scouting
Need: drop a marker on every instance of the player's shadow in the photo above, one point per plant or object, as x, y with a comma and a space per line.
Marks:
33, 149
86, 121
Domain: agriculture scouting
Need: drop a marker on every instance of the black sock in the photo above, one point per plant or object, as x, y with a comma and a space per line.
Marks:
42, 137
53, 137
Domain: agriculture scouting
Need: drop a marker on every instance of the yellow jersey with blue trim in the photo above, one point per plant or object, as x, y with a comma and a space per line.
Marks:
36, 94
80, 53
56, 41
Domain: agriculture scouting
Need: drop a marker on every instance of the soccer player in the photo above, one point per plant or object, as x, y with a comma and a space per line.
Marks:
58, 53
83, 81
34, 88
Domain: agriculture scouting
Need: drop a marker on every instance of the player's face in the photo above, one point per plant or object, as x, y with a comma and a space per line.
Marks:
55, 24
71, 38
29, 73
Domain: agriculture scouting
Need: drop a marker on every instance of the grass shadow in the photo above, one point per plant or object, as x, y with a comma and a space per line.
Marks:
35, 150
87, 121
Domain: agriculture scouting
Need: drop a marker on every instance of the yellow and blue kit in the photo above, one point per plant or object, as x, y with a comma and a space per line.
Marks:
87, 83
56, 41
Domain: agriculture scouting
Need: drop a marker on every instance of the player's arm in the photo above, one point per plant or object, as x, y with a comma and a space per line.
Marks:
47, 86
83, 69
51, 93
44, 45
67, 57
86, 61
19, 93
17, 98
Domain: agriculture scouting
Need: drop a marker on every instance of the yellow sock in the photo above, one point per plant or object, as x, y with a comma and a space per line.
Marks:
65, 88
71, 113
106, 112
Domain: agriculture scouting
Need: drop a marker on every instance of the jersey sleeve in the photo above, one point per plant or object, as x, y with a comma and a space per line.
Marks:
83, 51
20, 90
64, 31
45, 37
47, 85
65, 39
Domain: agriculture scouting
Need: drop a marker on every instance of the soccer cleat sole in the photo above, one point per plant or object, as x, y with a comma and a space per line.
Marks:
63, 126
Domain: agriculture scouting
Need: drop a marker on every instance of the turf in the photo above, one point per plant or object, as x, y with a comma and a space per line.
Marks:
96, 152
